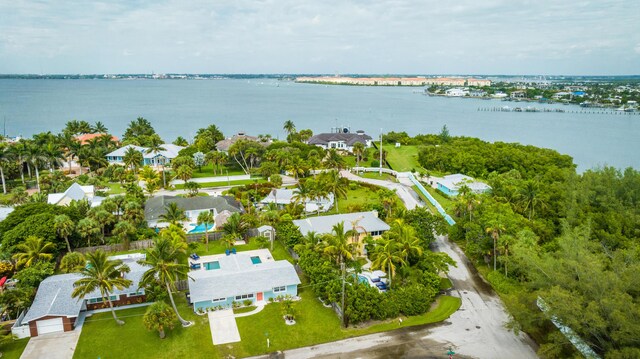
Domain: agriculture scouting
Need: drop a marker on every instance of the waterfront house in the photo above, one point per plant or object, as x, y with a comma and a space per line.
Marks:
364, 223
157, 158
342, 139
75, 192
220, 280
224, 145
54, 310
456, 92
156, 206
450, 185
283, 196
86, 137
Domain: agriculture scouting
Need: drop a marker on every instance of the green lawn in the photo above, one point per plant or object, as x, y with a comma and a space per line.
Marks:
357, 199
14, 349
376, 175
445, 283
115, 188
218, 247
225, 183
207, 171
446, 203
431, 207
403, 158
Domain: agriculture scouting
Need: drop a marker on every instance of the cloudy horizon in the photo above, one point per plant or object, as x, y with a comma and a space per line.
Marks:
288, 36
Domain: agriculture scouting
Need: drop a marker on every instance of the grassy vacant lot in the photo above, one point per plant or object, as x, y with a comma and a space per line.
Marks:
357, 199
102, 337
115, 188
14, 349
403, 158
207, 171
225, 183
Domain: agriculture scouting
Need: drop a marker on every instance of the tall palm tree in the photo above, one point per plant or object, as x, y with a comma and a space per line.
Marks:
123, 230
132, 158
165, 269
173, 214
33, 249
53, 153
103, 218
206, 218
494, 230
36, 156
64, 227
290, 127
358, 150
303, 192
337, 244
19, 152
236, 226
155, 147
335, 184
88, 228
99, 127
101, 274
5, 157
407, 240
385, 257
334, 160
529, 196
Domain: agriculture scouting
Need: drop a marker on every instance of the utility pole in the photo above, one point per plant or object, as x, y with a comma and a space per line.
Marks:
342, 310
380, 151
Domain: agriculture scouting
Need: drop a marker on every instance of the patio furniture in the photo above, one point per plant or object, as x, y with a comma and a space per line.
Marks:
233, 250
227, 252
375, 279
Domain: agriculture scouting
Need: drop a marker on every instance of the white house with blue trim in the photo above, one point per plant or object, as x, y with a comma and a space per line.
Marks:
220, 280
450, 185
158, 158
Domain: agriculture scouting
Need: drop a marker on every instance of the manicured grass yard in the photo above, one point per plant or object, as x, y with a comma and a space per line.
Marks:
376, 175
102, 337
14, 349
207, 171
359, 197
404, 158
115, 188
225, 183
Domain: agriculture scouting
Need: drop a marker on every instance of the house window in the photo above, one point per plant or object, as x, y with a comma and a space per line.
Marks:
99, 300
279, 289
136, 294
244, 296
215, 300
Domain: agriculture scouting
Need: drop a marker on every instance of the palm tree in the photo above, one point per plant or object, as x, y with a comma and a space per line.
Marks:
88, 228
158, 317
104, 275
289, 127
99, 127
173, 214
358, 150
123, 230
5, 158
207, 219
334, 160
33, 249
19, 152
236, 226
494, 230
165, 269
53, 154
36, 155
132, 158
216, 158
529, 195
297, 166
385, 257
155, 147
406, 238
103, 218
337, 244
334, 183
303, 192
64, 227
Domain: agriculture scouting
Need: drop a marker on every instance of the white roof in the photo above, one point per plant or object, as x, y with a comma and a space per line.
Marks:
368, 221
455, 181
122, 150
170, 151
285, 196
238, 275
75, 192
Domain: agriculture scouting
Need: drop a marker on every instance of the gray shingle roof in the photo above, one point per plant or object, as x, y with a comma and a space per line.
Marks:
156, 206
348, 138
54, 293
238, 275
324, 224
54, 298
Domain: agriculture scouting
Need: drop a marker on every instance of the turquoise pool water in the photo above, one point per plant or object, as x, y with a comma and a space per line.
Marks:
256, 260
211, 265
200, 228
363, 279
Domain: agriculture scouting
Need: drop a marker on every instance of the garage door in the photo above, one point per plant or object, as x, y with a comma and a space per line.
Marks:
49, 326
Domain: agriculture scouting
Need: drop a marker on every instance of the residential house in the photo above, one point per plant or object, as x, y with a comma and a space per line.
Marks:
364, 223
456, 92
159, 158
518, 94
86, 137
450, 185
156, 206
75, 192
224, 145
340, 140
220, 280
283, 196
54, 310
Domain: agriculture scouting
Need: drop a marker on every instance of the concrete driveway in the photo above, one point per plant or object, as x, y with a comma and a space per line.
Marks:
223, 327
54, 345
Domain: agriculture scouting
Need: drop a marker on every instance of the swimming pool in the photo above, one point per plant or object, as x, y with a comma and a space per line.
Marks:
256, 260
211, 265
363, 279
200, 228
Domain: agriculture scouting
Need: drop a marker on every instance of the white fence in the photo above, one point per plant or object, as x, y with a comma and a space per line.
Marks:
19, 330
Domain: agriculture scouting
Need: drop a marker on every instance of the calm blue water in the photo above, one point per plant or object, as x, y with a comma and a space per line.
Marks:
180, 107
200, 228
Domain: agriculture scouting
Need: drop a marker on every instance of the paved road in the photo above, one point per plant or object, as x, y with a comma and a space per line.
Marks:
404, 192
475, 331
54, 345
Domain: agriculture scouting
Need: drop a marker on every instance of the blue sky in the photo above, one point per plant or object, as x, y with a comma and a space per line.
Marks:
334, 36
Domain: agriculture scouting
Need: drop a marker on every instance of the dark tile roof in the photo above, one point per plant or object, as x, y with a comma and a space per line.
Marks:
348, 138
156, 206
